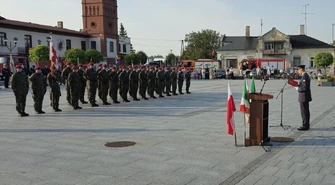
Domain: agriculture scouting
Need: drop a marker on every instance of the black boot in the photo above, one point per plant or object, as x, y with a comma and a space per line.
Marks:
94, 105
106, 103
116, 102
57, 110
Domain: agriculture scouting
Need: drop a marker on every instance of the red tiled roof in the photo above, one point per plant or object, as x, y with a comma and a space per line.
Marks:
44, 28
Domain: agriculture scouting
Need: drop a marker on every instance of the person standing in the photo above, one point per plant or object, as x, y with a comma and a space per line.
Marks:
113, 84
65, 76
91, 83
55, 92
74, 84
160, 82
99, 84
133, 78
20, 87
6, 74
151, 83
143, 77
180, 81
167, 81
39, 87
174, 78
103, 77
305, 96
124, 84
82, 84
188, 81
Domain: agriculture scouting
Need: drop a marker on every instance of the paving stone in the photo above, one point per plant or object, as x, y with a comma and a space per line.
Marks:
315, 178
267, 181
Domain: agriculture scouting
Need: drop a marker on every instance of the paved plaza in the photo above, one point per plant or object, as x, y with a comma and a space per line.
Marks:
179, 140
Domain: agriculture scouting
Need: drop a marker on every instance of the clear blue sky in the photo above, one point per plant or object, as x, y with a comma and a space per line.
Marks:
169, 20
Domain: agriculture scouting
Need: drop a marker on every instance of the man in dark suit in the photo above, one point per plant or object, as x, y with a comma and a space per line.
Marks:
305, 97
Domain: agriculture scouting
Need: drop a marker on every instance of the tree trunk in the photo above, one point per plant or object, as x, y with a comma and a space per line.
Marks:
325, 72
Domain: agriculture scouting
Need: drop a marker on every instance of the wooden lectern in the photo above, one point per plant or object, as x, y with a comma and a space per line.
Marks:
259, 119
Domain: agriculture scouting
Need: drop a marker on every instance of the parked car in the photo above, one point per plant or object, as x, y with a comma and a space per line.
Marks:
220, 73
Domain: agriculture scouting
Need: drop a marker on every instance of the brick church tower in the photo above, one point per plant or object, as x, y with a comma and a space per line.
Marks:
100, 19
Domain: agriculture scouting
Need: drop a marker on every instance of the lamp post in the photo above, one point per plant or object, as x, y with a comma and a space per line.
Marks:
10, 48
195, 52
333, 33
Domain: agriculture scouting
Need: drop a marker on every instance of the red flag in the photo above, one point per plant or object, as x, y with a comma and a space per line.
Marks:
230, 112
53, 55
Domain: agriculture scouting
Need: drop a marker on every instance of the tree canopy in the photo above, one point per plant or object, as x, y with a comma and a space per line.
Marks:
40, 53
142, 57
94, 56
155, 56
131, 58
72, 55
323, 59
170, 59
201, 44
123, 31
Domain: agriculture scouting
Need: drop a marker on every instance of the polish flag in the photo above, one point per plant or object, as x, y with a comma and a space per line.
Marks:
53, 55
230, 112
245, 104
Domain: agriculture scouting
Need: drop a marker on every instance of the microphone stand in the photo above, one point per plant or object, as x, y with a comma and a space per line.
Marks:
281, 107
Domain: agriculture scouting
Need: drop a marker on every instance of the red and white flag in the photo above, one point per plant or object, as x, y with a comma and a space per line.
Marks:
230, 112
245, 104
53, 54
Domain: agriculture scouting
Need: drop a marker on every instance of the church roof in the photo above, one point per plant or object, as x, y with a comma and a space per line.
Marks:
306, 42
28, 26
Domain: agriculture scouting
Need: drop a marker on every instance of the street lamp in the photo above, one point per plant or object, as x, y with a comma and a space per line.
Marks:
333, 33
10, 48
195, 52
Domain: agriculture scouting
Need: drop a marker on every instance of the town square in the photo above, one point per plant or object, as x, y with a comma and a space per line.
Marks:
119, 92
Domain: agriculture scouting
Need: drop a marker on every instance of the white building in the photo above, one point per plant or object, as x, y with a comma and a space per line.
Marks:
295, 49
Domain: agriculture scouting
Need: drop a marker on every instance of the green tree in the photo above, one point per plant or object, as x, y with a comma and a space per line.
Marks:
155, 56
142, 57
201, 44
131, 58
323, 59
170, 59
72, 55
123, 31
39, 53
94, 56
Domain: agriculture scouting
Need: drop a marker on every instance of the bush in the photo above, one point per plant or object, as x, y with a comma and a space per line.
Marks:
330, 79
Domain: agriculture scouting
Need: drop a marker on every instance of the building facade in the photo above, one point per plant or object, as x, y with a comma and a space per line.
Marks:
295, 49
100, 32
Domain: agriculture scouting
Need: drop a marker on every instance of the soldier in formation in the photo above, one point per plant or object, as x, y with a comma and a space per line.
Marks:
39, 87
55, 92
142, 81
20, 87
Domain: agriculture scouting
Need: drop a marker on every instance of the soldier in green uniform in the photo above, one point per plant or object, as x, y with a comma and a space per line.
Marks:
119, 71
91, 84
133, 79
99, 84
20, 87
155, 71
82, 84
124, 84
129, 70
65, 76
143, 78
180, 81
188, 80
151, 83
174, 77
103, 77
161, 78
39, 87
167, 81
55, 92
113, 84
74, 84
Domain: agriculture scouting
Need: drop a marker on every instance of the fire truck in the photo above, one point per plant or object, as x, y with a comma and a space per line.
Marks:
249, 66
200, 64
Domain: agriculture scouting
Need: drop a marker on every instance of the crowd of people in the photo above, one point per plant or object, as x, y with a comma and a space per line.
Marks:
107, 81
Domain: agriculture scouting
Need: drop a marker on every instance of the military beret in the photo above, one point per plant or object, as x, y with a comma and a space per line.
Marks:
123, 67
74, 67
67, 63
90, 64
99, 65
37, 67
105, 65
18, 66
80, 65
301, 66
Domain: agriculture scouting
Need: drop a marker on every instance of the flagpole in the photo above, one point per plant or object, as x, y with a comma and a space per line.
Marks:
245, 128
234, 130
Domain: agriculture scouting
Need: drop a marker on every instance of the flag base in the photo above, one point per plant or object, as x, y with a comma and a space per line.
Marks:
256, 142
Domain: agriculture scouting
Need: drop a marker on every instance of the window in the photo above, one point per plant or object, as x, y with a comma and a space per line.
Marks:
311, 62
68, 44
231, 63
2, 39
93, 45
28, 41
111, 47
124, 48
268, 46
296, 61
83, 45
119, 48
